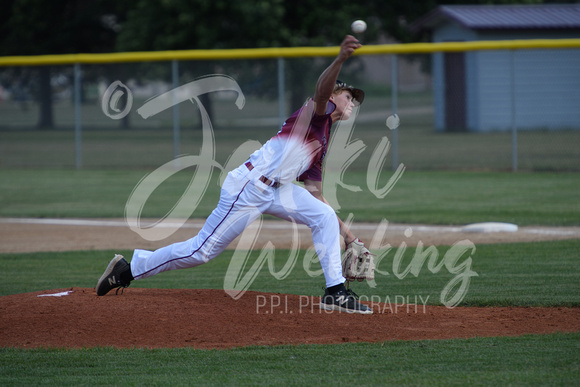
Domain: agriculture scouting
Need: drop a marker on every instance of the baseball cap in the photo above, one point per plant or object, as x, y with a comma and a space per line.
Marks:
357, 94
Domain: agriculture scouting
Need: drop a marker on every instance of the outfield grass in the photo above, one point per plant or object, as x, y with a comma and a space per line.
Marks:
419, 148
418, 197
149, 143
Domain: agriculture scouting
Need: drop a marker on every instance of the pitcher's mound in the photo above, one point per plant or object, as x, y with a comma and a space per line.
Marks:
163, 318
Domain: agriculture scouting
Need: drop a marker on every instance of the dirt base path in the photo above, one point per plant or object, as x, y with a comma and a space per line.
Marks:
29, 235
163, 318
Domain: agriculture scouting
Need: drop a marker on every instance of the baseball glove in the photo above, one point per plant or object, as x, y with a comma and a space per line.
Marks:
357, 262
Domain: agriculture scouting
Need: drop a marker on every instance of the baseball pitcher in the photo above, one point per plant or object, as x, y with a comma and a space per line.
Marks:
263, 185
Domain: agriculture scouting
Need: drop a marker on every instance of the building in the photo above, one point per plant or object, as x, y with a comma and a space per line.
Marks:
483, 91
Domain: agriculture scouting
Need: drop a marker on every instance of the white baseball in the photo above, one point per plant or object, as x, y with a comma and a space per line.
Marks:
393, 122
358, 26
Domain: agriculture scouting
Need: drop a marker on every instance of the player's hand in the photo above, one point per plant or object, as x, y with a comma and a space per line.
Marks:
348, 47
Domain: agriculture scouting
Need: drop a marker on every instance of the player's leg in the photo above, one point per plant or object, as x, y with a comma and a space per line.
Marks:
295, 203
238, 207
240, 204
225, 223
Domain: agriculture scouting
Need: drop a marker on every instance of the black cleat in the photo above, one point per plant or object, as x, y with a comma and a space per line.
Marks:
112, 277
343, 301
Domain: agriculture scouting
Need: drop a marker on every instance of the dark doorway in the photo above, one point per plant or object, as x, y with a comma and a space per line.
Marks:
455, 95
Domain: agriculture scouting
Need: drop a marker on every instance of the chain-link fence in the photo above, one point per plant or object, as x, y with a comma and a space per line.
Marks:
44, 123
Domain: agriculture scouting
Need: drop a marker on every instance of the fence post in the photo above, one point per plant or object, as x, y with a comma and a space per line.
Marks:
176, 118
394, 108
78, 125
514, 117
281, 92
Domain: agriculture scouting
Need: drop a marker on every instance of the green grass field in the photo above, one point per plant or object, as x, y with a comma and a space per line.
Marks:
527, 360
523, 274
149, 143
518, 274
418, 197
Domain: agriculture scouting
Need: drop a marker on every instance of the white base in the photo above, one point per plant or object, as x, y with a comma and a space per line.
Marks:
490, 227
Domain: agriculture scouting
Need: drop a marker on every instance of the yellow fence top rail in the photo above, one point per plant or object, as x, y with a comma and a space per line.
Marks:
285, 52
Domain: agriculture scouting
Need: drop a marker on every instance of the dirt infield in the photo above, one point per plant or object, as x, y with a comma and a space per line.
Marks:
159, 318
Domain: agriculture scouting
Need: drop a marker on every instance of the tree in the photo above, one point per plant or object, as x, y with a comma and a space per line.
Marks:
38, 27
202, 24
199, 24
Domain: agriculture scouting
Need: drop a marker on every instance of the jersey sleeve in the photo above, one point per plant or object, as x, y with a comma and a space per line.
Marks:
314, 173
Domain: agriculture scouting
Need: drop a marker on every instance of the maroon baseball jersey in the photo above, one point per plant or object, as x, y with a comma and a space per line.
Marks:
298, 149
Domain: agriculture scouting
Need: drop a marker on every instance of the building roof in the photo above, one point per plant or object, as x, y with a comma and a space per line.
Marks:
503, 17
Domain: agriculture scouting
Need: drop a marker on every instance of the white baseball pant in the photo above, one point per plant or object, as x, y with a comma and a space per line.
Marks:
243, 199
